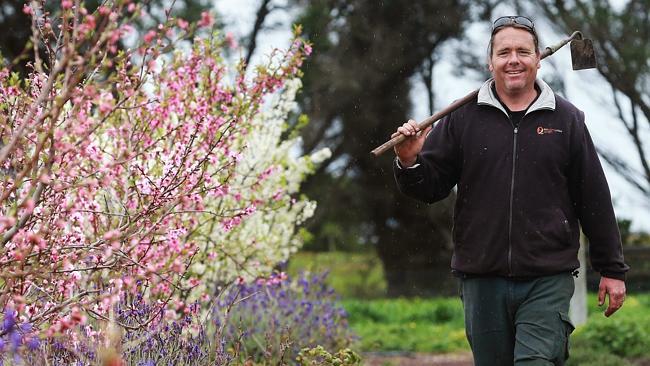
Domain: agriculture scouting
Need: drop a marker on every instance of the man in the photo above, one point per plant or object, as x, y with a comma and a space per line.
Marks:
527, 177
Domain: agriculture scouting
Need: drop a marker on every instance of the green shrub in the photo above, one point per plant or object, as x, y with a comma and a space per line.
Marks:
448, 311
614, 341
583, 353
624, 337
319, 356
589, 357
624, 334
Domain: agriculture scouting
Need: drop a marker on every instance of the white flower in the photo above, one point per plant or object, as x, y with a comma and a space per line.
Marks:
321, 155
268, 236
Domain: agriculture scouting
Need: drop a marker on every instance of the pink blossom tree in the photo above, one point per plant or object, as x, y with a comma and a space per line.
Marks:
137, 170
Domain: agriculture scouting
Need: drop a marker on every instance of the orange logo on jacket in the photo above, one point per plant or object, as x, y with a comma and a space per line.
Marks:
545, 131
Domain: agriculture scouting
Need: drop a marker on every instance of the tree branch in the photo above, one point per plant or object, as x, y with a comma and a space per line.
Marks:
262, 12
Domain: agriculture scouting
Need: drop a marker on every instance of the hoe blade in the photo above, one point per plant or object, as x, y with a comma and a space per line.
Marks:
582, 54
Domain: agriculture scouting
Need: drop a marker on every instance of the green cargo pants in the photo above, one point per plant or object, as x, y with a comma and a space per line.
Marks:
518, 322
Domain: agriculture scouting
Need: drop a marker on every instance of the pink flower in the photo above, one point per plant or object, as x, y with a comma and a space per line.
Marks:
231, 41
194, 282
27, 9
6, 221
45, 178
103, 10
110, 235
278, 194
66, 4
19, 256
206, 19
250, 210
183, 24
90, 22
178, 266
105, 107
307, 49
28, 206
149, 36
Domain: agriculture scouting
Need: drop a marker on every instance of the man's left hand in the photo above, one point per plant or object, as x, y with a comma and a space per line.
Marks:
615, 290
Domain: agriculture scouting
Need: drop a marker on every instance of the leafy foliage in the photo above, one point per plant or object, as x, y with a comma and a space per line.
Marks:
320, 356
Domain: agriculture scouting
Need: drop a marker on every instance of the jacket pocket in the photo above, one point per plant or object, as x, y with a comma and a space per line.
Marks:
549, 228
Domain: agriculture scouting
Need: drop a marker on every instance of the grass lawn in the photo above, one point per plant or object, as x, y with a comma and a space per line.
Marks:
414, 325
436, 326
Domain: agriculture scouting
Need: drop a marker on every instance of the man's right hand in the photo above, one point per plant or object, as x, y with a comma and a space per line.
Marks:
407, 151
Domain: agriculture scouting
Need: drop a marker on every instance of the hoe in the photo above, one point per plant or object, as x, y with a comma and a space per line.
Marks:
582, 57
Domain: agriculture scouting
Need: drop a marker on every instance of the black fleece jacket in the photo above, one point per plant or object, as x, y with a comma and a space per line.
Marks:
522, 192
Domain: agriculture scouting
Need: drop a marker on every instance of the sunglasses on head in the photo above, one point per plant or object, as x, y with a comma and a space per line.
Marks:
513, 20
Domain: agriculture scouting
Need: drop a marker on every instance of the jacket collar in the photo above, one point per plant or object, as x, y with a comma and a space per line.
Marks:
546, 98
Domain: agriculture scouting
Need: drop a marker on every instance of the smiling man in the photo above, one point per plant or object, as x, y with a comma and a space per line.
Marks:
528, 179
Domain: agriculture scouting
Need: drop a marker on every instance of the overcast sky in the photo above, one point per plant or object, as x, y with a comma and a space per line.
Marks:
585, 88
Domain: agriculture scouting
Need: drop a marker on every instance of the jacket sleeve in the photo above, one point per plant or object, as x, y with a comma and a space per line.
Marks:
436, 170
593, 204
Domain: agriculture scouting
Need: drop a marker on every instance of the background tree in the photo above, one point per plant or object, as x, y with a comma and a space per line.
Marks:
16, 29
620, 38
16, 24
367, 57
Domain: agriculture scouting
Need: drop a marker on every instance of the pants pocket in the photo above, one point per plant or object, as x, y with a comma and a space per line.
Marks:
568, 329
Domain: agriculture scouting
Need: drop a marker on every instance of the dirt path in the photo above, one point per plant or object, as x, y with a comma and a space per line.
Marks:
417, 359
426, 359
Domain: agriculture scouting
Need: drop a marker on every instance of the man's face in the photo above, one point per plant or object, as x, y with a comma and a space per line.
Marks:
514, 60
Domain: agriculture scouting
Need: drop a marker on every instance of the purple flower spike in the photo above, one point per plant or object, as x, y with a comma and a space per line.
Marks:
304, 310
33, 343
9, 321
16, 339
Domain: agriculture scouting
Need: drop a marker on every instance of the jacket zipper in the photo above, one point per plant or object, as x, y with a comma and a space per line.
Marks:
512, 193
